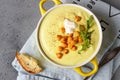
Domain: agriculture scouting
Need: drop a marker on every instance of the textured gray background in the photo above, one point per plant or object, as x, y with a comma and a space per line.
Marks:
18, 19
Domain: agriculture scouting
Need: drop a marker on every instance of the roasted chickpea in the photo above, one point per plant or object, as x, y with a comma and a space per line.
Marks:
80, 40
59, 37
82, 27
73, 42
69, 39
63, 40
64, 45
76, 39
77, 18
74, 48
70, 45
76, 34
62, 29
60, 48
66, 51
59, 55
70, 35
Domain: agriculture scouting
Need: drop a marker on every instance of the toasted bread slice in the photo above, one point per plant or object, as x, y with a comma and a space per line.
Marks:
29, 63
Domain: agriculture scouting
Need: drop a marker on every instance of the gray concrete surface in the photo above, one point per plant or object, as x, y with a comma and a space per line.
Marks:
18, 19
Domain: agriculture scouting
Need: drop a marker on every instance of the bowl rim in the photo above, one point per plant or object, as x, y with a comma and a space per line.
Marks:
87, 60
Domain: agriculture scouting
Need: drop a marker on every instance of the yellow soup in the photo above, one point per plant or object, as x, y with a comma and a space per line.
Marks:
50, 28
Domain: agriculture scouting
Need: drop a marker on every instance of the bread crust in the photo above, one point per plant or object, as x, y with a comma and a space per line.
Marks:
24, 66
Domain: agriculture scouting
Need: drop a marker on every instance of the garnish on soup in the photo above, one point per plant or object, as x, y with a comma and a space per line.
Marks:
71, 37
86, 34
77, 18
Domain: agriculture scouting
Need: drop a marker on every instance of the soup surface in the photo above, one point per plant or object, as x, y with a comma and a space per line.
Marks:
50, 27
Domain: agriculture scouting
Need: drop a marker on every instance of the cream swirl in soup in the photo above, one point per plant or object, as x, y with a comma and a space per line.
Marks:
50, 28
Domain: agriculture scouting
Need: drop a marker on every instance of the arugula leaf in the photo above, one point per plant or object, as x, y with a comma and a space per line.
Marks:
86, 35
90, 22
89, 34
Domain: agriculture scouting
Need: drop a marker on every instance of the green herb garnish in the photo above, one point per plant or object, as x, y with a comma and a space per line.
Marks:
86, 34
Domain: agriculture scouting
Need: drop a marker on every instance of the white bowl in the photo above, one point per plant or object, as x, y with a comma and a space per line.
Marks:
90, 58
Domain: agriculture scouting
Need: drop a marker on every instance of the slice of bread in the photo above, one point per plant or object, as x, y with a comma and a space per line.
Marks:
29, 63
